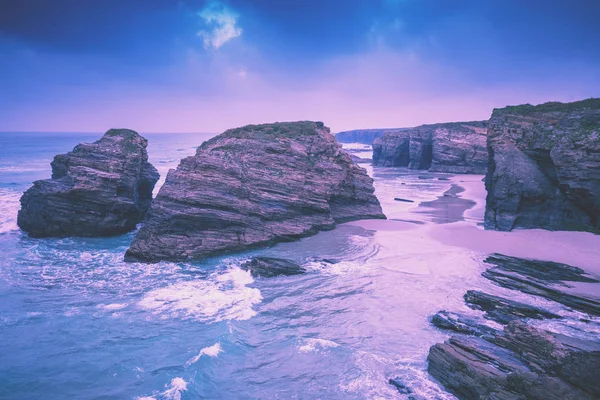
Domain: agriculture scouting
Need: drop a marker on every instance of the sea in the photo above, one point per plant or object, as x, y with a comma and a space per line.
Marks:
77, 322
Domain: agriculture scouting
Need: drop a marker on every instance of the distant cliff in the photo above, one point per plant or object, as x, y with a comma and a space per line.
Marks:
365, 136
254, 186
456, 147
544, 167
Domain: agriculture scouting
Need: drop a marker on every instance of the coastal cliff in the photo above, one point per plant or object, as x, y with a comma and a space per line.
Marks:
98, 189
254, 186
544, 167
457, 147
365, 136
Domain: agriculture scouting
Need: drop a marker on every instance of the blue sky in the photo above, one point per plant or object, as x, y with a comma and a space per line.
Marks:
205, 66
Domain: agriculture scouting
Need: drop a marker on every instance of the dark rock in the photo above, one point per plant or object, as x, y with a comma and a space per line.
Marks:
99, 189
461, 324
542, 270
452, 147
360, 160
365, 136
403, 200
268, 267
544, 167
542, 278
254, 186
402, 388
504, 310
473, 368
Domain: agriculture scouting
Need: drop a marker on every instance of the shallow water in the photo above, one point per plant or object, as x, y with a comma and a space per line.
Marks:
78, 322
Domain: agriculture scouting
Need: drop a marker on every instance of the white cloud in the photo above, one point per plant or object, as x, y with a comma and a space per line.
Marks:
221, 25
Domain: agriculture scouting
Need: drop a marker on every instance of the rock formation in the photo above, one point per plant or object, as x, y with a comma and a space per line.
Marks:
365, 136
544, 167
254, 186
98, 189
268, 267
520, 362
458, 147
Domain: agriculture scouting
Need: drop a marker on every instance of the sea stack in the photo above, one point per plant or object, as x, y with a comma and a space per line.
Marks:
98, 189
544, 167
455, 147
254, 186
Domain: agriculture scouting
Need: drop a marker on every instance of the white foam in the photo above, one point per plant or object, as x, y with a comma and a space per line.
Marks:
212, 351
222, 296
178, 385
316, 345
9, 207
112, 307
339, 268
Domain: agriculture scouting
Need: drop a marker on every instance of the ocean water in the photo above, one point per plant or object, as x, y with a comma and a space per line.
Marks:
76, 322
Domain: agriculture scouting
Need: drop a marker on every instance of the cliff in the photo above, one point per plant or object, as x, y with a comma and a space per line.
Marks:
98, 189
457, 147
254, 186
365, 136
544, 167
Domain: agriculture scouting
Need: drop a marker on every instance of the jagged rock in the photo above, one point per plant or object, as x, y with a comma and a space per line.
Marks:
458, 147
268, 267
365, 136
473, 368
254, 186
504, 310
461, 324
98, 189
542, 278
544, 167
541, 270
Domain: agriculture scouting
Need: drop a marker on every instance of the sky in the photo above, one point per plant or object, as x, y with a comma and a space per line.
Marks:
206, 66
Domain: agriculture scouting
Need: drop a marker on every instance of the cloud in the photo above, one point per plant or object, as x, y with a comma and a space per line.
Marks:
221, 25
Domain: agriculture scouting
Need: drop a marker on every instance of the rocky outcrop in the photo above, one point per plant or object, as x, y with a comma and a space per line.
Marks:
98, 189
544, 167
268, 267
520, 362
458, 147
523, 363
365, 136
254, 186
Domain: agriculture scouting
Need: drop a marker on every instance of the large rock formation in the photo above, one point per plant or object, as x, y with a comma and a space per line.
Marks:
254, 186
99, 189
544, 167
457, 147
365, 136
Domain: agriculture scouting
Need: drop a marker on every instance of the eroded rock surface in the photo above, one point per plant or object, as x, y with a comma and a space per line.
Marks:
458, 147
544, 167
254, 186
98, 189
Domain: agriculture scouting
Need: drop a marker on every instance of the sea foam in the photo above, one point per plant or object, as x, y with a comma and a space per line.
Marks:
222, 296
9, 207
212, 351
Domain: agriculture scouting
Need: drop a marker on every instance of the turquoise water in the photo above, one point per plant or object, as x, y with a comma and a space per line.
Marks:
77, 322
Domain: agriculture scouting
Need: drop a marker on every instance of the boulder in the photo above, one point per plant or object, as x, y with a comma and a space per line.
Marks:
544, 167
254, 186
268, 267
98, 189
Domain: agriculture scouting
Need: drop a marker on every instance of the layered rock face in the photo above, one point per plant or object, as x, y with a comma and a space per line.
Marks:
365, 136
254, 186
544, 167
98, 189
458, 147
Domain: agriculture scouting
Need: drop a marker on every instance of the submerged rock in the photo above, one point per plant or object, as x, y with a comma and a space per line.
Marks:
268, 267
504, 310
254, 186
461, 324
98, 189
544, 167
458, 147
